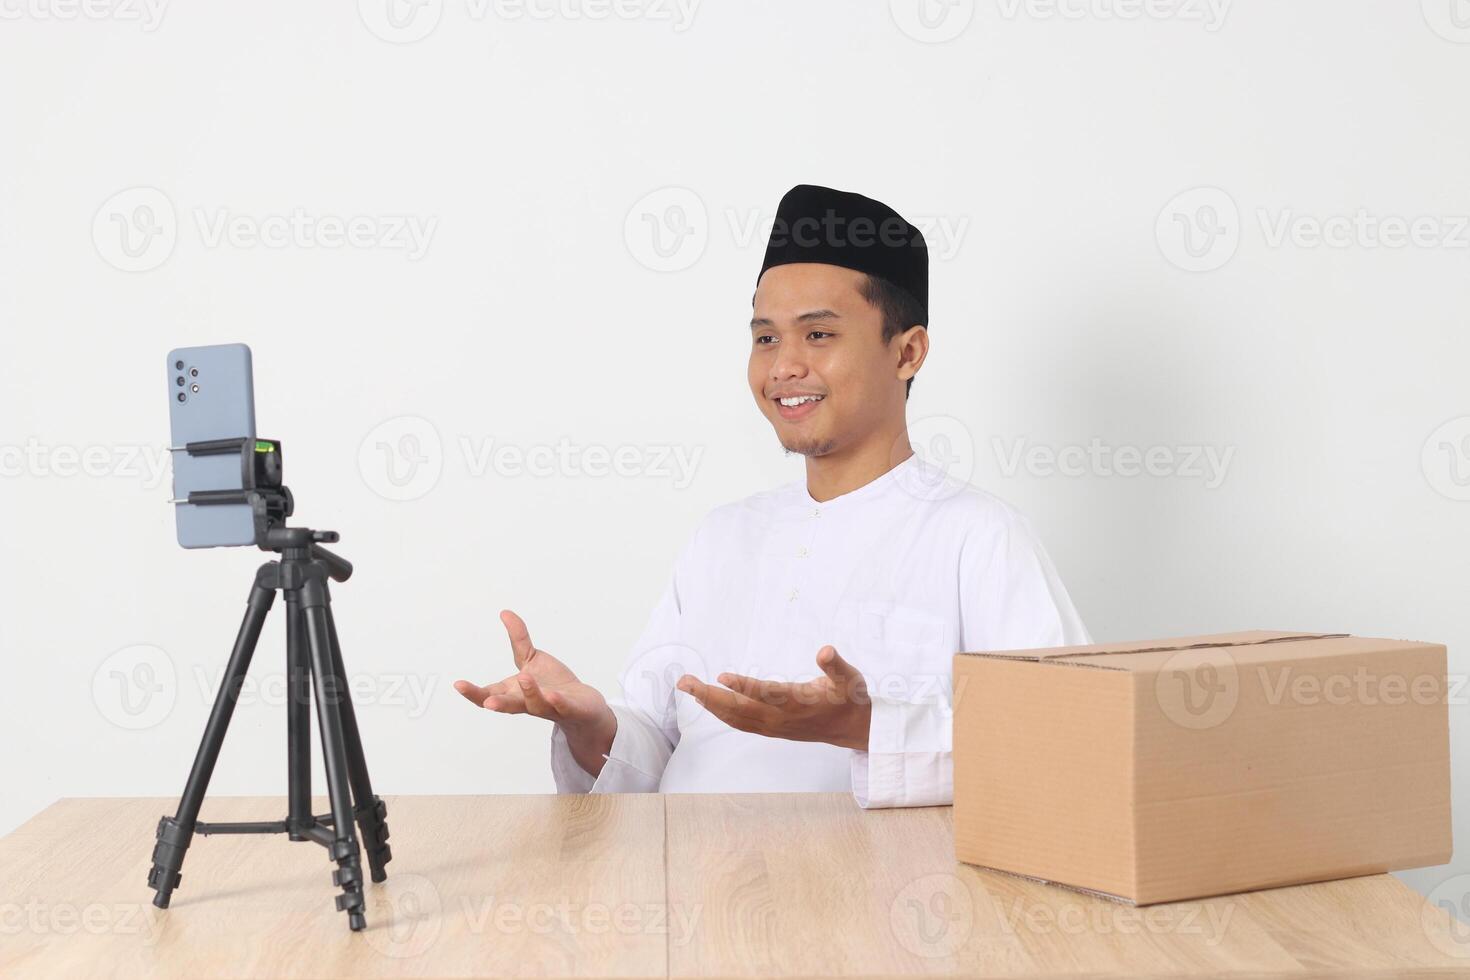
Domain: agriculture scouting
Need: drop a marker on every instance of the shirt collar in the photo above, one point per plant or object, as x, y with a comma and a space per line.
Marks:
869, 489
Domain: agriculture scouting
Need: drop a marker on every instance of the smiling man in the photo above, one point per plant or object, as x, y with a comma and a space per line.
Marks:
804, 642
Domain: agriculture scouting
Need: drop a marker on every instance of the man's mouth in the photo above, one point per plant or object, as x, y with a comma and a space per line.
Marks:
795, 407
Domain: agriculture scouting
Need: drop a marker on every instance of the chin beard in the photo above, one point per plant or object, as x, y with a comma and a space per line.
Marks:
809, 448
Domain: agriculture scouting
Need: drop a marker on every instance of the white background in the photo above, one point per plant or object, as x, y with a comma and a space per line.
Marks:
1052, 143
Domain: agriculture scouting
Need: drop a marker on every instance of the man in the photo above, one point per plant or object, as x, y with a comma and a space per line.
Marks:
876, 565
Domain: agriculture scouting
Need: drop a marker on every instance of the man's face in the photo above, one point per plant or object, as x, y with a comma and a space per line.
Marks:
817, 341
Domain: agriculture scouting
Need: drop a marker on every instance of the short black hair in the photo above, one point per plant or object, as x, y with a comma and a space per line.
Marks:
899, 309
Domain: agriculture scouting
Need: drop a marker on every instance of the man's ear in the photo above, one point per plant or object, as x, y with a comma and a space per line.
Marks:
913, 347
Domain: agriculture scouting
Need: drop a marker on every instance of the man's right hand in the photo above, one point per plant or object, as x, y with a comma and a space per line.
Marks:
545, 687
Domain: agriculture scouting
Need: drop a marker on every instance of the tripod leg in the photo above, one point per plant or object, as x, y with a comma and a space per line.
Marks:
329, 693
298, 720
372, 813
175, 833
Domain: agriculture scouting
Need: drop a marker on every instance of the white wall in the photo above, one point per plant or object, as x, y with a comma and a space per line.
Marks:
1044, 150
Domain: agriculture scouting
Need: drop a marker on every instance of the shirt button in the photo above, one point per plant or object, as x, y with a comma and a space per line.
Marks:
816, 512
792, 596
801, 552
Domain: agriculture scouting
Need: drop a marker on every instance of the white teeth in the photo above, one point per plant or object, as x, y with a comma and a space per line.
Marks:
799, 400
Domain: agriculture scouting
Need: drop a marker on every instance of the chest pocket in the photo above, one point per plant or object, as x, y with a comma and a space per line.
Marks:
901, 636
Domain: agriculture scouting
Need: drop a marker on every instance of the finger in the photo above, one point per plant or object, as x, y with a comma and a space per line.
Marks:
768, 692
472, 692
847, 678
536, 703
476, 693
506, 704
731, 707
521, 647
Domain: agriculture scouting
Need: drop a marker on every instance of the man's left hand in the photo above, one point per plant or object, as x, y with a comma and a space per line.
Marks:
833, 708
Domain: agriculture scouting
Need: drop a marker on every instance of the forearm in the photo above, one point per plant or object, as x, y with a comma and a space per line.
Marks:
633, 763
590, 743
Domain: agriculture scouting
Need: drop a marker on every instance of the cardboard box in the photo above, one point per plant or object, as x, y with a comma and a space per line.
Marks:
1173, 769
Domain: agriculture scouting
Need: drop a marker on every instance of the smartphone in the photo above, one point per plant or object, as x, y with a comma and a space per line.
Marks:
211, 395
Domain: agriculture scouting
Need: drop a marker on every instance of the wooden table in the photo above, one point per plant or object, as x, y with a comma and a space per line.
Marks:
652, 886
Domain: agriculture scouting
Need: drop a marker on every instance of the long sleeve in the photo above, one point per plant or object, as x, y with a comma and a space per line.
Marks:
640, 750
648, 727
1010, 599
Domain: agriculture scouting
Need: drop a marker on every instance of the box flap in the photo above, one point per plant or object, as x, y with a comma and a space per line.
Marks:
1074, 656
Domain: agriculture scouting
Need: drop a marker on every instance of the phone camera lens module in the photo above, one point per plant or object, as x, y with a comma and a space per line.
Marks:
194, 389
193, 372
179, 381
178, 365
183, 397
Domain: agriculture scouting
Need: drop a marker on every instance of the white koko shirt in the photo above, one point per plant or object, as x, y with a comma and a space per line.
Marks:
898, 575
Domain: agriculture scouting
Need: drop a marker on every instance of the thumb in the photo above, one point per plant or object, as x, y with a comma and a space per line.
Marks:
844, 675
521, 647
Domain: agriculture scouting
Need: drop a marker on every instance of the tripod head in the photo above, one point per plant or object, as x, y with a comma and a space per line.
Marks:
303, 542
271, 503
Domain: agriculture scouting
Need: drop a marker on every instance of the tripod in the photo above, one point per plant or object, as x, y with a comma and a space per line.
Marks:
314, 662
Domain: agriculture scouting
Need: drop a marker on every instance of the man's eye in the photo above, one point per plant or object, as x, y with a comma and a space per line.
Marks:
765, 338
818, 335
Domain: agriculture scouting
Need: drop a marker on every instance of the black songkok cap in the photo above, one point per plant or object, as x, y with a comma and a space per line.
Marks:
819, 224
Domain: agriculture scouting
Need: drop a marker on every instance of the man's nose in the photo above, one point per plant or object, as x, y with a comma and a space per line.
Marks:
789, 363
